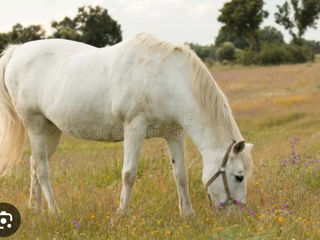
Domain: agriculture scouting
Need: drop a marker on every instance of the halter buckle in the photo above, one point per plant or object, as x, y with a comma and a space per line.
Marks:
222, 169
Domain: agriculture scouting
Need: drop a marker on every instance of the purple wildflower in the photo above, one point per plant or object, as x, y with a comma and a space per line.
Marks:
251, 212
238, 202
286, 205
222, 204
74, 222
78, 225
284, 162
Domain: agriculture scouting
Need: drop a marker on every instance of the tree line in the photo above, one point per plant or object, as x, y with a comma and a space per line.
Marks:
91, 25
240, 39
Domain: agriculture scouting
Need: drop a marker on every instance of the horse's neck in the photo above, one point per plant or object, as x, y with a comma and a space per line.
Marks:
207, 139
211, 144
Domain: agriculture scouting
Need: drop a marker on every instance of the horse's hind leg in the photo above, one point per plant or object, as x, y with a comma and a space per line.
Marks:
35, 188
44, 139
53, 139
176, 146
133, 138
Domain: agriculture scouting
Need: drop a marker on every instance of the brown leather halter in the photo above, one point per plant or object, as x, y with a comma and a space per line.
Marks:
222, 171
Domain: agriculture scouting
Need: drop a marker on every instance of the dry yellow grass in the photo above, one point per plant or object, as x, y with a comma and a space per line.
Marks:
274, 106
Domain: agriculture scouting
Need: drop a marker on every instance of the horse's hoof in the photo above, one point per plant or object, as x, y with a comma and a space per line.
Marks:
122, 212
188, 214
34, 209
55, 211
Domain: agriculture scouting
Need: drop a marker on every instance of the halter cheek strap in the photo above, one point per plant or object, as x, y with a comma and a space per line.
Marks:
222, 171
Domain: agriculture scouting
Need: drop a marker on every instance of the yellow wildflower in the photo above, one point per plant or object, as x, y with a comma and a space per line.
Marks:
280, 219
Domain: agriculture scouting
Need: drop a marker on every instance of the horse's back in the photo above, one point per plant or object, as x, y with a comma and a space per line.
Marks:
79, 87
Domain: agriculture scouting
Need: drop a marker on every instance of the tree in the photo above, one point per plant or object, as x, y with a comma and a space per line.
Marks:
270, 34
204, 52
66, 29
229, 36
306, 14
243, 17
20, 34
92, 25
314, 45
226, 52
4, 40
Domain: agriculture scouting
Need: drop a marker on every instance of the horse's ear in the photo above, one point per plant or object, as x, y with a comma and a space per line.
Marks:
238, 147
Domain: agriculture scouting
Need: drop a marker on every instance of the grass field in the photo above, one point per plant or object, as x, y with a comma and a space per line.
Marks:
277, 109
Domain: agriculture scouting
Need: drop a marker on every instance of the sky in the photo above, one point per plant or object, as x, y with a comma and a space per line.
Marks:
177, 21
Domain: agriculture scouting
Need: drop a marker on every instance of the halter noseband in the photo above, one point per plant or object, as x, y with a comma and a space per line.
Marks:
222, 171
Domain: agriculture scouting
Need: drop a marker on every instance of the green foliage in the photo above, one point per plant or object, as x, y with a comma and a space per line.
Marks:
243, 17
314, 45
299, 54
65, 29
270, 34
4, 40
20, 34
92, 25
306, 14
226, 52
205, 52
246, 57
230, 36
273, 53
267, 34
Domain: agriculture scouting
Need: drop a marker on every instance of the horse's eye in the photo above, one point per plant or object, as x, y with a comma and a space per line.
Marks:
239, 178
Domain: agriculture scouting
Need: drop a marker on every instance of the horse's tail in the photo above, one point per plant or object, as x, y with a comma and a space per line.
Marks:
12, 130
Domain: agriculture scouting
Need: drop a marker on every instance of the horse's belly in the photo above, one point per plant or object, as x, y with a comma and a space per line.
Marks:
107, 133
115, 132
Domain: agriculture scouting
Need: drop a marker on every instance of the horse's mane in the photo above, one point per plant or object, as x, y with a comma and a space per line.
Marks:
213, 104
211, 100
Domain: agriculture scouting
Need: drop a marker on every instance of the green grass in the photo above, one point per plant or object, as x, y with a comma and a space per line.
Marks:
86, 176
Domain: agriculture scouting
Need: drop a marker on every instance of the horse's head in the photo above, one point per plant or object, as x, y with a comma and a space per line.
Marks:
227, 182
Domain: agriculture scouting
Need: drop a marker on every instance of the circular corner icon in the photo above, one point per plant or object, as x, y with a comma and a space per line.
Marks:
9, 219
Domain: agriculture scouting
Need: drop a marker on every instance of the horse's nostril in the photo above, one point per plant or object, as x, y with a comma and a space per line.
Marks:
239, 178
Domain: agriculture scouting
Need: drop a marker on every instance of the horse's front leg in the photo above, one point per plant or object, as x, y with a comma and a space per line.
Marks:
176, 146
133, 138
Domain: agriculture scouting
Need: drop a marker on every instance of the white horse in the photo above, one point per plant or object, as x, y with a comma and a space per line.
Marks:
139, 88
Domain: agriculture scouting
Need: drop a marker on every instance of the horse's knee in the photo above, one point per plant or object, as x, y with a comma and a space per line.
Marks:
128, 178
182, 180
